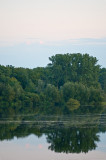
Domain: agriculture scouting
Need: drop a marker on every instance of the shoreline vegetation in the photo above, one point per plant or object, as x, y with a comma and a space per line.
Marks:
69, 83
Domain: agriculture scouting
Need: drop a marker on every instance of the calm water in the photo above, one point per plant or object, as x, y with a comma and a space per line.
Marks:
77, 137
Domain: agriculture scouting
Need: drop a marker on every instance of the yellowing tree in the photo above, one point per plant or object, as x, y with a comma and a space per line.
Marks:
73, 104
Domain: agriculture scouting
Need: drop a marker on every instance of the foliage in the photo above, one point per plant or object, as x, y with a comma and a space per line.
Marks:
66, 82
102, 79
73, 104
75, 68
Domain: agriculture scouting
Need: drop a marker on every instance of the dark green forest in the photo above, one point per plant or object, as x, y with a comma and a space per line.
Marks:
69, 83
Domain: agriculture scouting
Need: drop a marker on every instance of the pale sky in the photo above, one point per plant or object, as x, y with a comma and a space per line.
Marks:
45, 26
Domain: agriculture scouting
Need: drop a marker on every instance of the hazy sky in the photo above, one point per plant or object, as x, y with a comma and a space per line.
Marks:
33, 30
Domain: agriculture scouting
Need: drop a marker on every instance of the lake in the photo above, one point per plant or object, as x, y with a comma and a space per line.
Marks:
76, 137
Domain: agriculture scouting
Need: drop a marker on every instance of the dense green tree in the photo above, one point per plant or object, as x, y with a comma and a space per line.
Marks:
102, 79
49, 90
74, 67
22, 76
85, 95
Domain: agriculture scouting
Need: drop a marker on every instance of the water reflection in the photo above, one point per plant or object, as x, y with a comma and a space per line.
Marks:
67, 134
73, 140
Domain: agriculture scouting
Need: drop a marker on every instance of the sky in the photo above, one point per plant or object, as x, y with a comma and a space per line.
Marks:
33, 30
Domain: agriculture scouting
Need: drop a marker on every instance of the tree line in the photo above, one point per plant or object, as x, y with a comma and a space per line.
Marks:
68, 82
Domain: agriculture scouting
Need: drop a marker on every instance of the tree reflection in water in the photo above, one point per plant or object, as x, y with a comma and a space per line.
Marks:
73, 134
73, 140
